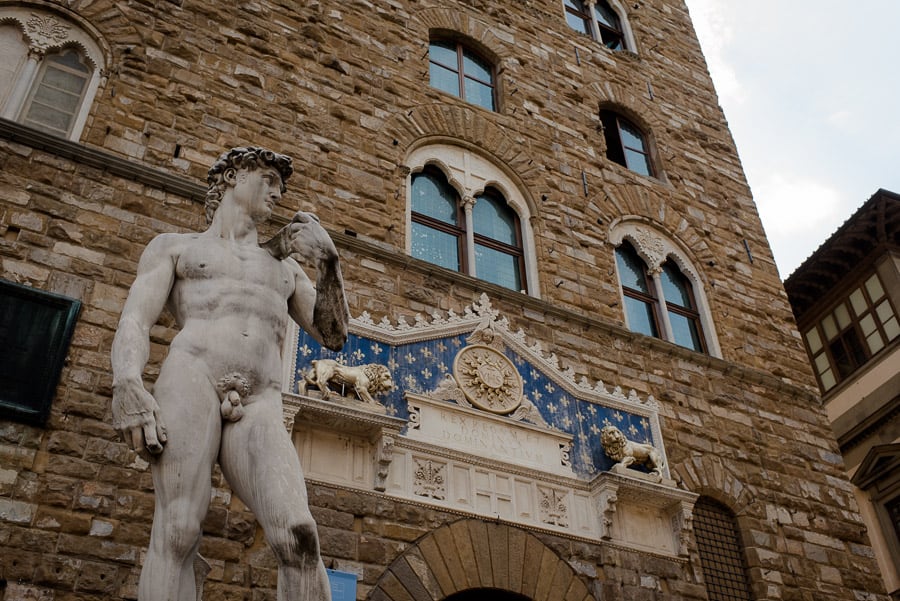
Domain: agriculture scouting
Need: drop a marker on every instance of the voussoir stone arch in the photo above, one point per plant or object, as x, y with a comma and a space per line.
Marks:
626, 101
627, 201
474, 554
710, 476
445, 123
490, 38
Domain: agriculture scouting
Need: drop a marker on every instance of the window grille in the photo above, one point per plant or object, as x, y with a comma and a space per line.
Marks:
721, 552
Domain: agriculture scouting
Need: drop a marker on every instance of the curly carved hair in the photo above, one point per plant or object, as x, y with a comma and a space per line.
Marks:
249, 158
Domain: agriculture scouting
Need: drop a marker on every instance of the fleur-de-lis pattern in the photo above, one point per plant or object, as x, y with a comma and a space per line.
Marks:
421, 366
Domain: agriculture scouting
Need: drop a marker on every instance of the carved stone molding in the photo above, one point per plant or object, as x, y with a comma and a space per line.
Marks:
429, 479
644, 515
554, 508
488, 379
384, 455
46, 31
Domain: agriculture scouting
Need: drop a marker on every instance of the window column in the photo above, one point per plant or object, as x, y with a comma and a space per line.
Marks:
468, 204
590, 7
22, 84
655, 273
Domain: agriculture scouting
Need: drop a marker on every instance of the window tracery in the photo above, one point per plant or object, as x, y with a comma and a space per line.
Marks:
51, 72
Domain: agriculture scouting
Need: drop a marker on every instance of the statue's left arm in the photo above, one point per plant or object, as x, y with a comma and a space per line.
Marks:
321, 310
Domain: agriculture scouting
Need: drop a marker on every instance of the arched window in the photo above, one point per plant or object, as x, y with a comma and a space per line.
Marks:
468, 215
626, 144
609, 26
681, 307
439, 226
457, 70
721, 552
50, 72
498, 241
637, 288
598, 19
661, 293
56, 96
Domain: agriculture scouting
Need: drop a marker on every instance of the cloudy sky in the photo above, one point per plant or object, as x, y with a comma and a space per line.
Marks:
811, 90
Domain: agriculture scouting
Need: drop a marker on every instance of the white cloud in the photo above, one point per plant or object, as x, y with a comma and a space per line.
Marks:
799, 213
713, 27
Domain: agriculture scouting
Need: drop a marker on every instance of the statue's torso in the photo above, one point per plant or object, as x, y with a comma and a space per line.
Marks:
231, 302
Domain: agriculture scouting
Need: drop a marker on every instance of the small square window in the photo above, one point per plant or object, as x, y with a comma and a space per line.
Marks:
35, 330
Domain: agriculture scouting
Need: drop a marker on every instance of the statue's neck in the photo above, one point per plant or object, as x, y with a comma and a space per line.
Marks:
232, 222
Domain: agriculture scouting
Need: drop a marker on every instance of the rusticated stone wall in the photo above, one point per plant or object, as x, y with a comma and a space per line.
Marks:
342, 87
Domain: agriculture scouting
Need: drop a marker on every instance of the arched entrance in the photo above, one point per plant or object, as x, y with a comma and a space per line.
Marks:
474, 560
486, 594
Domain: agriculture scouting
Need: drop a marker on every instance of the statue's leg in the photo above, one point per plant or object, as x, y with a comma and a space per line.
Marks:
181, 478
261, 465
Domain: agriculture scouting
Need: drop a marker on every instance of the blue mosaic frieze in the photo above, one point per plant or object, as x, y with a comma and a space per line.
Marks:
419, 367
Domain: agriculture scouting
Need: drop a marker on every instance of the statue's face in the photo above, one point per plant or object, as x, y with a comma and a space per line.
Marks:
257, 191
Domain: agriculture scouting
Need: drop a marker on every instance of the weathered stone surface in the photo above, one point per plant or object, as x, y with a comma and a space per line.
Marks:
340, 87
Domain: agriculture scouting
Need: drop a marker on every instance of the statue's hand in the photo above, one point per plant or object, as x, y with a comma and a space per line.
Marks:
304, 239
136, 418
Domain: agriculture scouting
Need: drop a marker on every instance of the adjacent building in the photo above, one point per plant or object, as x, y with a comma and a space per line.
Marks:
845, 297
549, 243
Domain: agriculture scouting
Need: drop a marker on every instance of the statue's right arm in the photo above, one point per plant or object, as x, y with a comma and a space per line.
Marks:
135, 411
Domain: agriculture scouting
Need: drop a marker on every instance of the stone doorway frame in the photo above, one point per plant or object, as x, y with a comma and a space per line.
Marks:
472, 553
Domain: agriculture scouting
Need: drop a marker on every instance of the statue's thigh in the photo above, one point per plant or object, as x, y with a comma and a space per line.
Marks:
261, 464
189, 407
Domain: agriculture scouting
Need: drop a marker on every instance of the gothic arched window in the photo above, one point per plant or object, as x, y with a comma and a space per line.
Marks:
637, 287
468, 215
50, 72
438, 225
498, 241
662, 294
600, 19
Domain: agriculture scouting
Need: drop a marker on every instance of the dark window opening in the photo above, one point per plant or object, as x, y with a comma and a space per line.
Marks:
626, 144
486, 594
721, 552
610, 26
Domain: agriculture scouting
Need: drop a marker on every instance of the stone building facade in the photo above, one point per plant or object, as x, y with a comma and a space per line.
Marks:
638, 286
845, 297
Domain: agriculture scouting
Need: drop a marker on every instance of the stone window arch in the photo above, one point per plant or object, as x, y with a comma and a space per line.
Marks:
662, 293
466, 214
51, 72
603, 20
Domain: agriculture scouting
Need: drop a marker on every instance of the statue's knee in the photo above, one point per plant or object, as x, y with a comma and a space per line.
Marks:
296, 544
179, 535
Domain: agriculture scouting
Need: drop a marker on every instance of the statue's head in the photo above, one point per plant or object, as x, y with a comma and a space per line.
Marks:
248, 158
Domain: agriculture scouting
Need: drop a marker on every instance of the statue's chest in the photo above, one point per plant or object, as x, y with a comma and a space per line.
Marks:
224, 261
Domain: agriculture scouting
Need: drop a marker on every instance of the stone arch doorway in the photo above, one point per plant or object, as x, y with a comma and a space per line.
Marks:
471, 559
486, 594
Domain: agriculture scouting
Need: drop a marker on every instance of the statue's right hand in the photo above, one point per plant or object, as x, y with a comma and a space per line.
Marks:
136, 417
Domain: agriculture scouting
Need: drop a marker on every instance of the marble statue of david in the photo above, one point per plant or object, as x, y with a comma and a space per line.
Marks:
218, 394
